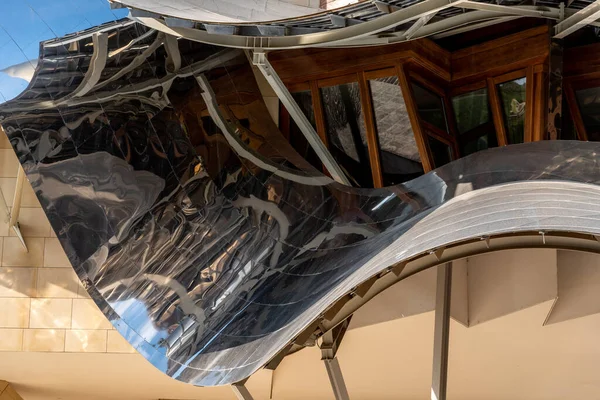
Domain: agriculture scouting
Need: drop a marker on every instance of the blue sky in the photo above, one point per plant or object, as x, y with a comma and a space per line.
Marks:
25, 23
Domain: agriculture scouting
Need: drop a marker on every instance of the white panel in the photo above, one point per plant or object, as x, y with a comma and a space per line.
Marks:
578, 286
501, 283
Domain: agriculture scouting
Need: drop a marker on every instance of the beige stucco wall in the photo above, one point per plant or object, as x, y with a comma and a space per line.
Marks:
43, 305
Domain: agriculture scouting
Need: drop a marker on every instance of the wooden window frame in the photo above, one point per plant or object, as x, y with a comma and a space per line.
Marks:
496, 105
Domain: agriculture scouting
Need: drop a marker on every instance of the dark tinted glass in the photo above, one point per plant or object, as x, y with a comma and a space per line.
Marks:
473, 121
431, 107
589, 106
441, 152
297, 139
471, 110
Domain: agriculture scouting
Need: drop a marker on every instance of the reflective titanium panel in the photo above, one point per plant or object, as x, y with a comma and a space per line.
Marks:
204, 237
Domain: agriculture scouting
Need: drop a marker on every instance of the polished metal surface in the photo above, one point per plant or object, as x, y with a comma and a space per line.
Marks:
211, 244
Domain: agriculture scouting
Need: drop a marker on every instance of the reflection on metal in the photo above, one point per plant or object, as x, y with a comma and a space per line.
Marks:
230, 133
441, 332
97, 64
192, 222
578, 20
259, 59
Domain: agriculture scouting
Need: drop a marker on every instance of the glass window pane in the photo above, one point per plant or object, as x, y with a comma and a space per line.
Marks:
430, 106
297, 139
400, 159
345, 125
485, 140
512, 97
441, 152
473, 121
589, 106
471, 110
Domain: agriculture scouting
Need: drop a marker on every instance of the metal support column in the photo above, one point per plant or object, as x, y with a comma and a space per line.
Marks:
329, 347
336, 378
441, 332
259, 59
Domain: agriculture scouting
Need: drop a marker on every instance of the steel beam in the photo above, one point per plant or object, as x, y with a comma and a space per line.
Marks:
522, 11
421, 22
336, 378
578, 20
241, 391
259, 59
329, 347
441, 332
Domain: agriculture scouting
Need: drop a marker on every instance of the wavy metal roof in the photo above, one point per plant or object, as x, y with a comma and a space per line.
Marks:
209, 243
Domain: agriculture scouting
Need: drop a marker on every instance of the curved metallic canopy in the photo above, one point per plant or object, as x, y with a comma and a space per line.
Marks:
209, 243
358, 23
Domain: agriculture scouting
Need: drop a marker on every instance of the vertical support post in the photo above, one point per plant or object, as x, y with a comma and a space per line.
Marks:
241, 391
331, 343
441, 332
259, 59
555, 89
336, 378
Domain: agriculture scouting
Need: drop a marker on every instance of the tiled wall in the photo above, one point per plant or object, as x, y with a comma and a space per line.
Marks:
43, 306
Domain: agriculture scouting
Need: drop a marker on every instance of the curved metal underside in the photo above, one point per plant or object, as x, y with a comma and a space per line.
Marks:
362, 23
212, 250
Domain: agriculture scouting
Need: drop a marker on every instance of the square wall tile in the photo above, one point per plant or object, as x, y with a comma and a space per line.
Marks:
82, 293
14, 255
50, 313
85, 341
86, 315
17, 282
11, 339
9, 164
15, 312
52, 340
4, 223
28, 197
7, 185
117, 343
4, 142
57, 283
54, 255
33, 223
